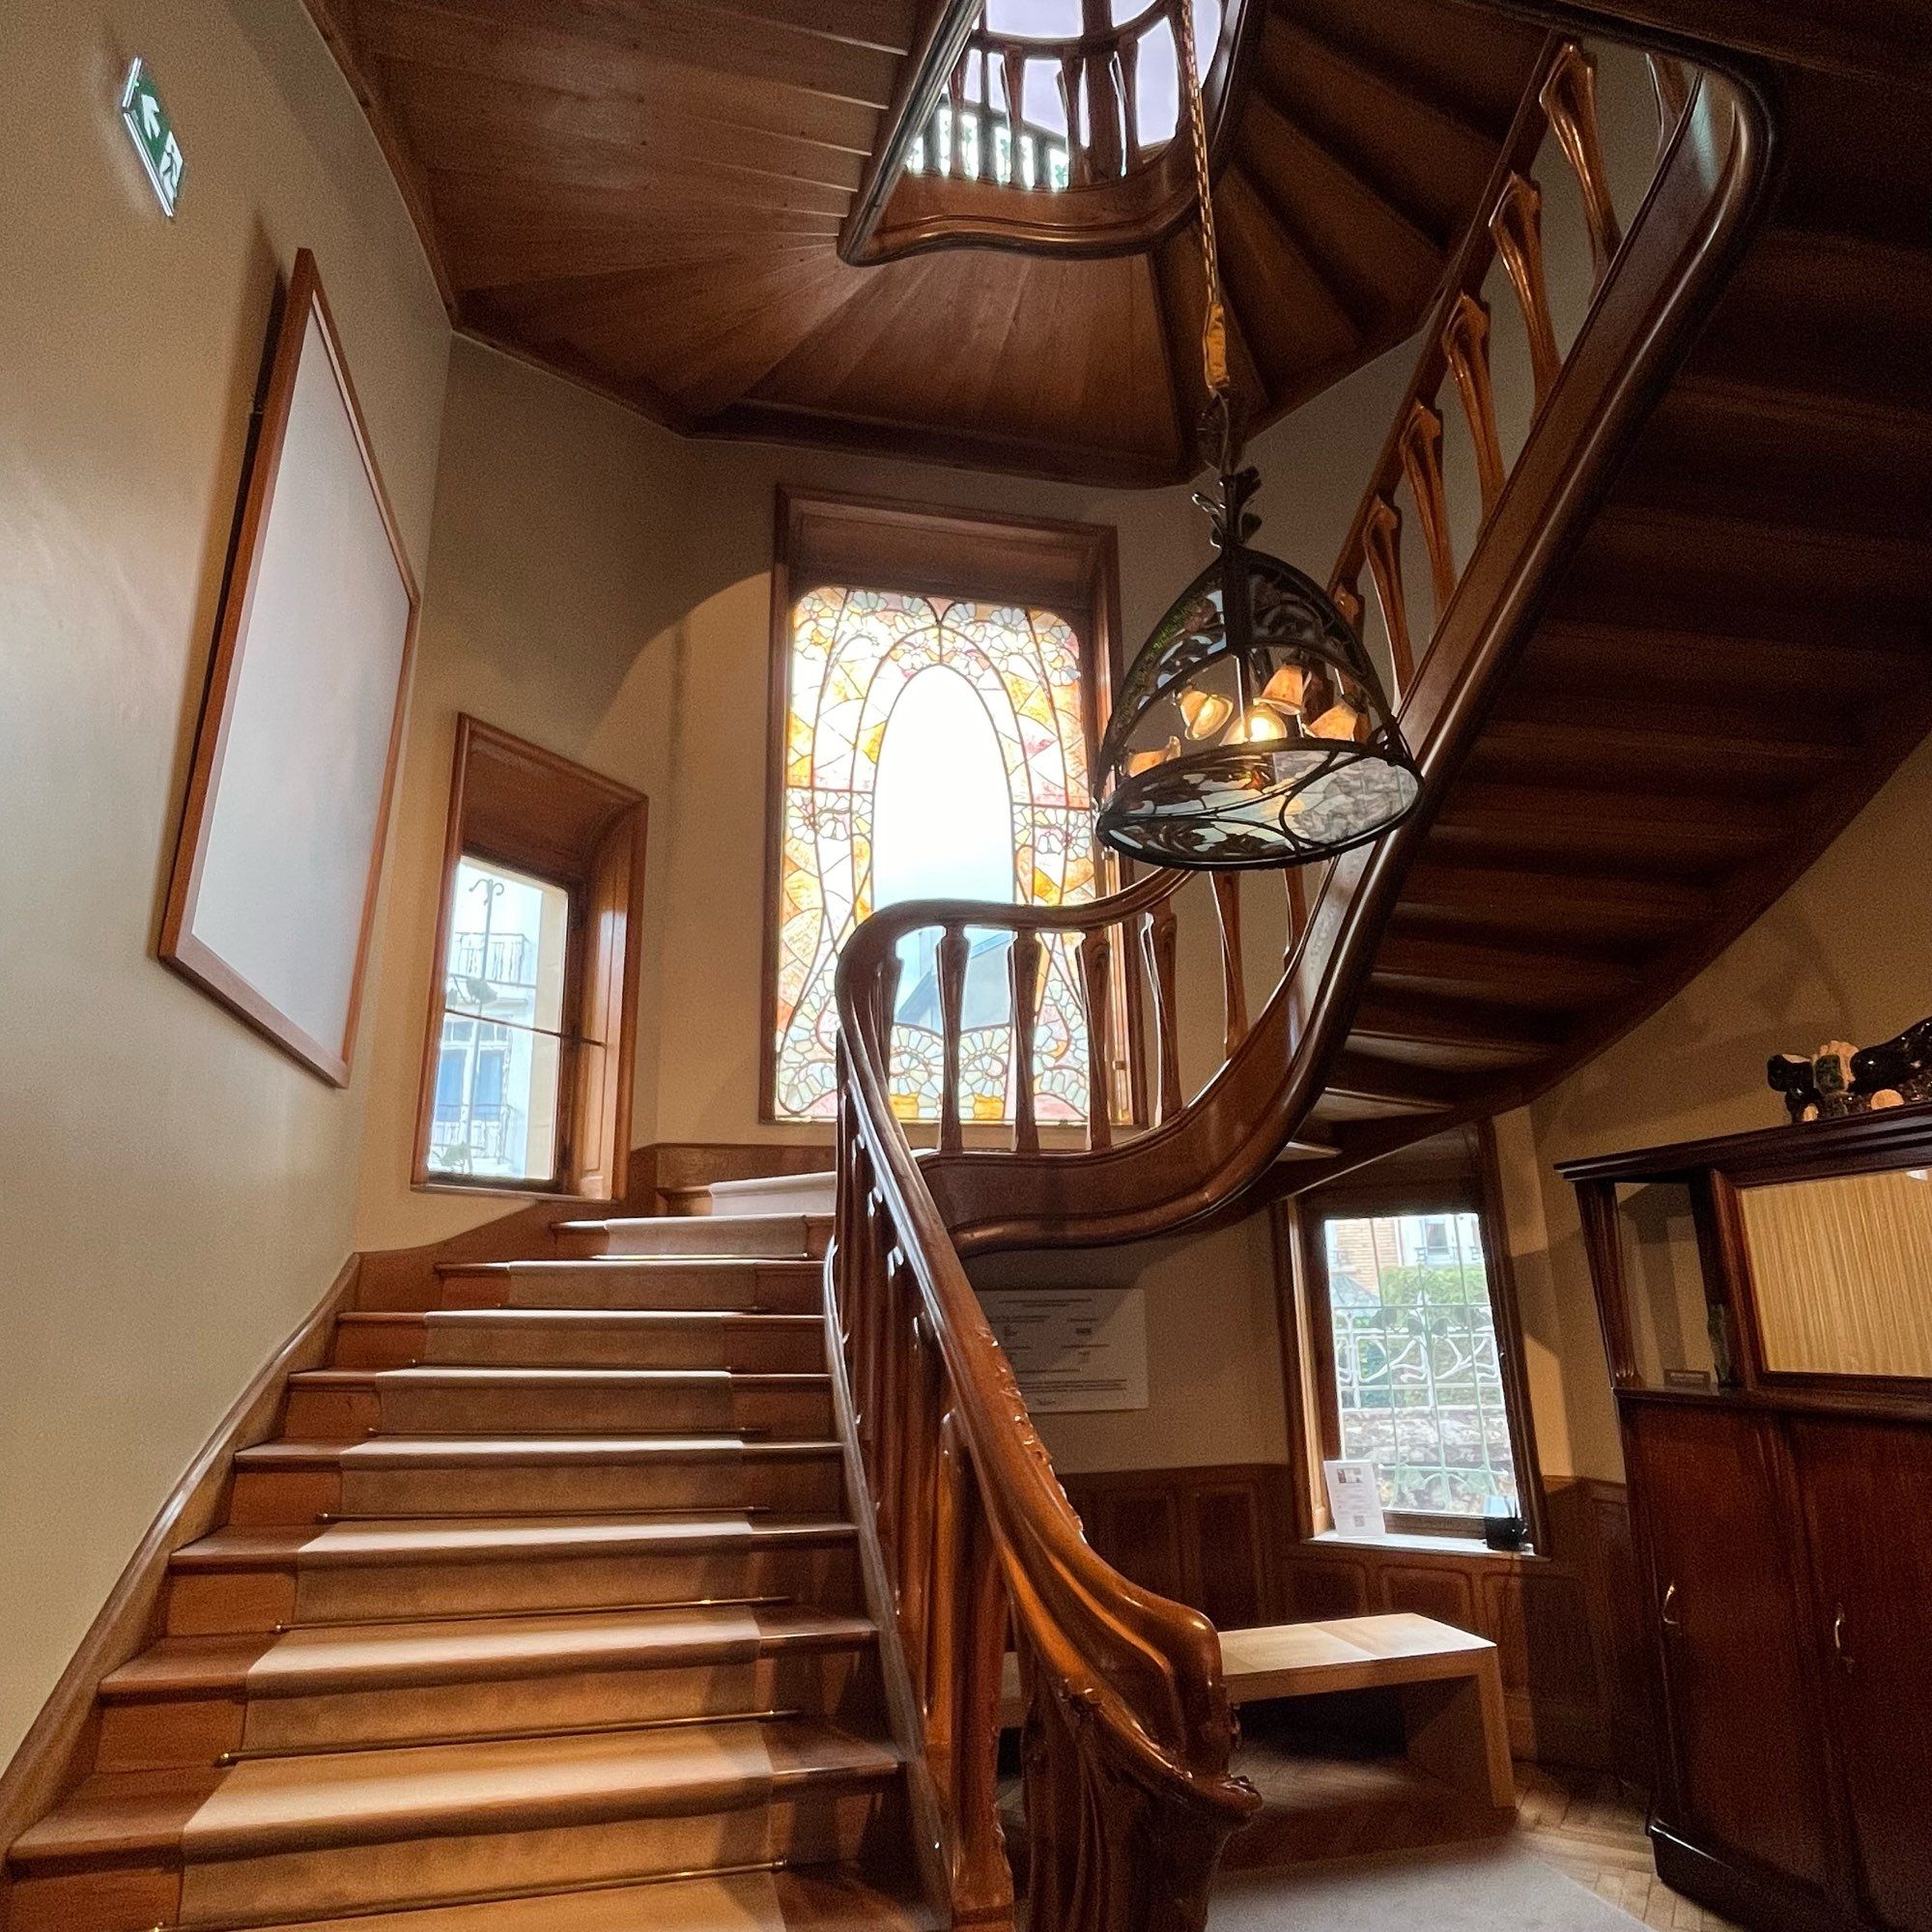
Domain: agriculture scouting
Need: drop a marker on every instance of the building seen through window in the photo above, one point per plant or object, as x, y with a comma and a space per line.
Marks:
1418, 1378
498, 1065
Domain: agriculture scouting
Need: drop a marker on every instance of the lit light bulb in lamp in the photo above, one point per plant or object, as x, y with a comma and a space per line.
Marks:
1287, 687
1339, 721
1206, 712
1264, 725
1145, 761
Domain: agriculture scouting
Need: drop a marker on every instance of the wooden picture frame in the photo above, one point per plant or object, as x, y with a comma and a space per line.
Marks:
272, 896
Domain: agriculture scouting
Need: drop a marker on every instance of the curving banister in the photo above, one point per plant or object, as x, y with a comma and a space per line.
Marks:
1128, 1793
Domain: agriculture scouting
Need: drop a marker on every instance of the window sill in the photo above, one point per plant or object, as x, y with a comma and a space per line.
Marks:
1407, 1542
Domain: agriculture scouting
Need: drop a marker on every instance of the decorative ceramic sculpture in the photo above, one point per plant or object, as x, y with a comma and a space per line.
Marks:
1840, 1078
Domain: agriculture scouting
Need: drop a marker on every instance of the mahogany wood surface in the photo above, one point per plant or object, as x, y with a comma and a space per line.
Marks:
656, 201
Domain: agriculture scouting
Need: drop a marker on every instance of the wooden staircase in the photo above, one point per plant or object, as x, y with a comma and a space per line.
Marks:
1737, 654
542, 1610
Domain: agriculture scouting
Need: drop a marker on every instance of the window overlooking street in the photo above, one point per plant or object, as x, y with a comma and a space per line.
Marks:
1418, 1379
499, 1061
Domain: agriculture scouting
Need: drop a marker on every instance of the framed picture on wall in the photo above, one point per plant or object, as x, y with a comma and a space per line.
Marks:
273, 891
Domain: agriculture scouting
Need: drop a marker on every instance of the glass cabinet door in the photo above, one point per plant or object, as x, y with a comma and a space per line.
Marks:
1678, 1338
1842, 1273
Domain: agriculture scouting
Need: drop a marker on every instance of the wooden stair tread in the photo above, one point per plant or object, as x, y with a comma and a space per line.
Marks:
403, 1654
512, 1375
822, 1898
619, 1318
425, 1452
510, 1539
271, 1804
592, 1264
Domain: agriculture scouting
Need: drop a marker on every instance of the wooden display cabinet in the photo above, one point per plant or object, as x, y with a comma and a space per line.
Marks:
1766, 1302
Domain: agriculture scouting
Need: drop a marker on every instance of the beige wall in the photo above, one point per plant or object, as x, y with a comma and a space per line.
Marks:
1845, 954
177, 1193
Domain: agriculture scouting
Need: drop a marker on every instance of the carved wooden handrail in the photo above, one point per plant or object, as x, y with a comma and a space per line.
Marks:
1128, 1794
1113, 194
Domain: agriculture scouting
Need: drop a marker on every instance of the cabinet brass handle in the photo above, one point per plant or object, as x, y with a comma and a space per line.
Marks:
1839, 1638
1664, 1611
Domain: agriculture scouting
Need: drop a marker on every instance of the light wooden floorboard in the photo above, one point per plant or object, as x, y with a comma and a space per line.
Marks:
1591, 1830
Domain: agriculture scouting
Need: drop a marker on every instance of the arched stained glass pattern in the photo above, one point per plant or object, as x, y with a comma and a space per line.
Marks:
975, 714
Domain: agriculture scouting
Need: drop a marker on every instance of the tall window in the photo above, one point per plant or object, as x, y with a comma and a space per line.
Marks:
936, 748
499, 1063
1416, 1371
933, 699
532, 1019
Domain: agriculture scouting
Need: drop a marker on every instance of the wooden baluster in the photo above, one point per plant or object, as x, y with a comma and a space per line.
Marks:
1422, 464
1097, 972
955, 98
893, 1367
940, 1688
986, 170
1382, 539
1569, 96
916, 1495
1014, 66
1128, 82
1024, 963
889, 1004
1297, 910
867, 1326
1517, 225
953, 954
1671, 84
1466, 348
982, 1881
1069, 95
1348, 600
1158, 942
1233, 984
1103, 116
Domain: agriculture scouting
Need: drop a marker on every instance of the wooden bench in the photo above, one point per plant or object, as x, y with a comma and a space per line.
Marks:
1447, 1682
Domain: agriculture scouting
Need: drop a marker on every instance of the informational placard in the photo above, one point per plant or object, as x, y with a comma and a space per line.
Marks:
1073, 1349
1354, 1502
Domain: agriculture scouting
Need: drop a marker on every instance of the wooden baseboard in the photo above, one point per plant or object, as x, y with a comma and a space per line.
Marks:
54, 1754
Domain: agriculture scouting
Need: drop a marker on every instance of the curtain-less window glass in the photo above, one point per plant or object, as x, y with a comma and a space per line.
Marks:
1418, 1378
934, 748
501, 1054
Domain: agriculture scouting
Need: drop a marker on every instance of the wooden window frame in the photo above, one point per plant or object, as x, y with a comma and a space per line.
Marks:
517, 805
935, 551
1309, 1341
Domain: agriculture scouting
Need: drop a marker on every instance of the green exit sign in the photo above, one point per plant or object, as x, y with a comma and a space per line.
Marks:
154, 135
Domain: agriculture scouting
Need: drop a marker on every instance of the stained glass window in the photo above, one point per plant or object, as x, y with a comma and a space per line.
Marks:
935, 747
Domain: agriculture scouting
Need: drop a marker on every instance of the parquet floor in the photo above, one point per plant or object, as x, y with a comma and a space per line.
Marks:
1591, 1829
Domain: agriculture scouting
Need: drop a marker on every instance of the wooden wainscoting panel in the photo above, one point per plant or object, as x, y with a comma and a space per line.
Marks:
1447, 1595
1563, 1620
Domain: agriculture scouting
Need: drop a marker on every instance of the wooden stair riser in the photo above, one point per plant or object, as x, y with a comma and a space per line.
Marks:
781, 1287
344, 1416
754, 1343
209, 1601
800, 1485
806, 1826
777, 1236
150, 1733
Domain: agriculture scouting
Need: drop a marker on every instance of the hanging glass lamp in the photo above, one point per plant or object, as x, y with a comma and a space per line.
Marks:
1252, 730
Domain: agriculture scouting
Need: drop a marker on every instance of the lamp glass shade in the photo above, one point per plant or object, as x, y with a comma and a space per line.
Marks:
1252, 730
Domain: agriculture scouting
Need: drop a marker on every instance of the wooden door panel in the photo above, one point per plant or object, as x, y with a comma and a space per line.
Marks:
1747, 1757
1867, 1493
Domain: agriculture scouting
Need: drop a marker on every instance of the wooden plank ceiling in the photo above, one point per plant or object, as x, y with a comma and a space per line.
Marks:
646, 195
